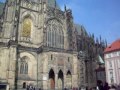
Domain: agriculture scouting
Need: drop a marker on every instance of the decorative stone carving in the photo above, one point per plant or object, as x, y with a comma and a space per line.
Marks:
52, 12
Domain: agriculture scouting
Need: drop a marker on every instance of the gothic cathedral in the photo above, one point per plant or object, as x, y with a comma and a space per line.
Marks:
37, 45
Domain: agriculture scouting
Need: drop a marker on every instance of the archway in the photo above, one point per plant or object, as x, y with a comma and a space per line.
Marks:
52, 79
60, 80
24, 85
69, 80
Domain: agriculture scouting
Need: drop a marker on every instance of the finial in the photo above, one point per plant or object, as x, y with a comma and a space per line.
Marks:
65, 7
55, 4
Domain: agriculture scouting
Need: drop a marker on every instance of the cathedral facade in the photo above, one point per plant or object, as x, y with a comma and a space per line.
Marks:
41, 46
37, 45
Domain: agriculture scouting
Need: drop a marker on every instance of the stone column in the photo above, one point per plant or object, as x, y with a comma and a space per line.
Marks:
64, 80
56, 81
12, 67
74, 81
45, 81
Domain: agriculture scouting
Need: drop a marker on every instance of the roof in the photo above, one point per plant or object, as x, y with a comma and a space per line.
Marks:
1, 7
115, 46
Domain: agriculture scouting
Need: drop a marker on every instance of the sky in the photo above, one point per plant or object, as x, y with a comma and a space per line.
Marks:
101, 17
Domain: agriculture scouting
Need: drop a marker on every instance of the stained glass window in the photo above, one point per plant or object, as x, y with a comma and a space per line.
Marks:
27, 25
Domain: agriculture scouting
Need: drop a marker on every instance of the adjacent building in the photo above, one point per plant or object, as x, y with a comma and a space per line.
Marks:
112, 63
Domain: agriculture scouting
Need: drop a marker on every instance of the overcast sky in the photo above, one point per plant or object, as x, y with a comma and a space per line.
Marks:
101, 17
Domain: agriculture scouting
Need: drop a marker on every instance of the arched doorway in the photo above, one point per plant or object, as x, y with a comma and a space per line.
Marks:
60, 80
51, 79
24, 85
69, 80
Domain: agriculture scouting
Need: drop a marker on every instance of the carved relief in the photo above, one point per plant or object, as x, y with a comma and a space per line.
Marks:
52, 12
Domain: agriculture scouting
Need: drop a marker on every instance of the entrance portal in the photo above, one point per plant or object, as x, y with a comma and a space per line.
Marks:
60, 80
69, 80
51, 79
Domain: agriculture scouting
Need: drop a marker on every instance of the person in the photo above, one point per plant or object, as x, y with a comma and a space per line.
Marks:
118, 88
101, 86
27, 87
106, 87
33, 88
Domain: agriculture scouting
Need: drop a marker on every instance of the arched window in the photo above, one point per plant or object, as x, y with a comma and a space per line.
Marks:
26, 68
27, 25
21, 68
55, 35
24, 65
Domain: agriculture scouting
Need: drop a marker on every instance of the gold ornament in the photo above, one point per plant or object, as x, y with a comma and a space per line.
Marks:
26, 27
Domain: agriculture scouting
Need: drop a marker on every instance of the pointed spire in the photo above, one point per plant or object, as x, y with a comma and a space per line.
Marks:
65, 7
106, 43
93, 36
100, 39
97, 41
55, 4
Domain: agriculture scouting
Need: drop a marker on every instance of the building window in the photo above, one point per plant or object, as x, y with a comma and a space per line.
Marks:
21, 68
110, 64
109, 55
106, 55
24, 66
119, 53
54, 34
114, 54
68, 59
111, 77
27, 25
51, 57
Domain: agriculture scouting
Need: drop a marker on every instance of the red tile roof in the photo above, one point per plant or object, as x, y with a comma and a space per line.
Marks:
113, 47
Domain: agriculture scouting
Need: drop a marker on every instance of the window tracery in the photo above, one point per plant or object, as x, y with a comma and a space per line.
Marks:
24, 65
55, 35
27, 26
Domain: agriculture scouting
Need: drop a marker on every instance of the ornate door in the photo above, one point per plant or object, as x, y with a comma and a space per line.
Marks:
51, 80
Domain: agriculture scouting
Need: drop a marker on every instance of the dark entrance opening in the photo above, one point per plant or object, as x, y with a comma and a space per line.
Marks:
52, 79
60, 80
69, 80
24, 85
